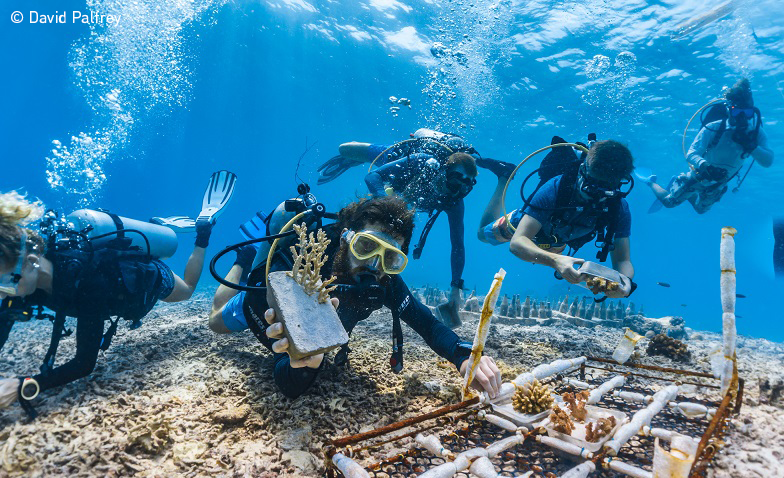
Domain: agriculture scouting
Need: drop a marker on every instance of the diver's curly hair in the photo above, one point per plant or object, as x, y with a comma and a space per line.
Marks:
392, 213
16, 211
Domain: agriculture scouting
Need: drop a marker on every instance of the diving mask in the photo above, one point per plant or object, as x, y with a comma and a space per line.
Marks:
9, 283
459, 184
600, 190
366, 245
735, 112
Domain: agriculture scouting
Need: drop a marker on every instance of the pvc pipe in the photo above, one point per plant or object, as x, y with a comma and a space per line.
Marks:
564, 446
628, 469
348, 467
641, 418
482, 467
580, 471
494, 449
596, 395
433, 445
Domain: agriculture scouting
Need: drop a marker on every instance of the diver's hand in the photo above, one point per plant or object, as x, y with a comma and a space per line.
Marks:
487, 377
8, 391
746, 141
281, 345
565, 267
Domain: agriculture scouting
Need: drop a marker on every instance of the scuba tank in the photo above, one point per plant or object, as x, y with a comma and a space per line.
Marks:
451, 140
280, 216
162, 241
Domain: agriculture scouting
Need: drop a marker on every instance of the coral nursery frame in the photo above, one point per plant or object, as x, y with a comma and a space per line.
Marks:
463, 428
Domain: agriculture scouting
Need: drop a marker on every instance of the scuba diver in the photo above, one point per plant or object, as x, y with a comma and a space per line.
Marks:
368, 251
778, 247
94, 266
433, 172
731, 132
578, 199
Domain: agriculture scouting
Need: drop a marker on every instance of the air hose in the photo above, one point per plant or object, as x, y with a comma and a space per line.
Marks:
686, 129
525, 160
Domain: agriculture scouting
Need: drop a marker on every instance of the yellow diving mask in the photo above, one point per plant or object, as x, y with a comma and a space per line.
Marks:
365, 245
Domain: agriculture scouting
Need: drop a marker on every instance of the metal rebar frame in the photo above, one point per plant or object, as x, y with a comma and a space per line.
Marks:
469, 431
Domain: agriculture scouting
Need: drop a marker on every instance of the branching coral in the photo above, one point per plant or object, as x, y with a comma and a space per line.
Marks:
662, 344
561, 421
576, 404
603, 427
309, 258
532, 398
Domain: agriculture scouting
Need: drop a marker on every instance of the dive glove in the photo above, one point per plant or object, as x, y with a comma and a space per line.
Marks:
203, 232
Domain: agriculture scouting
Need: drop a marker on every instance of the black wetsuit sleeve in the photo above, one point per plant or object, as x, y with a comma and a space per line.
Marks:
456, 215
438, 336
5, 329
89, 332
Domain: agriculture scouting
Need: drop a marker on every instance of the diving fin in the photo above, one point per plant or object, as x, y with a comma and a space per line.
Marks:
658, 205
217, 195
178, 224
255, 228
333, 168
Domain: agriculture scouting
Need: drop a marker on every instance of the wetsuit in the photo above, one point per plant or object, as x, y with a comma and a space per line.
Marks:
778, 248
412, 178
723, 156
559, 228
246, 310
93, 294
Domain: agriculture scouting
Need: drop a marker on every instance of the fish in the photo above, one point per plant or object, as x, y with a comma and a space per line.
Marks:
738, 316
740, 296
683, 305
663, 284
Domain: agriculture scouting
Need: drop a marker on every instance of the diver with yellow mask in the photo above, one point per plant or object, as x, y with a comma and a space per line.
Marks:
368, 251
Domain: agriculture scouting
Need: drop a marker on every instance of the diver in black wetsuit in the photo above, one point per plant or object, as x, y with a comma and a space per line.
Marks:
381, 229
72, 276
778, 248
433, 172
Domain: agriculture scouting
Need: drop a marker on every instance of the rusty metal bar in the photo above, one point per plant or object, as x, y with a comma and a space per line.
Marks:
706, 450
739, 398
341, 442
410, 434
653, 367
653, 378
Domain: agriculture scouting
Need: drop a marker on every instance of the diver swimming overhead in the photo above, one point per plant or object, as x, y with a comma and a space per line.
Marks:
94, 266
578, 200
433, 172
731, 131
367, 253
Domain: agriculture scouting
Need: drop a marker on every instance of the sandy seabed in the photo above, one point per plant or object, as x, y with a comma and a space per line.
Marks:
173, 399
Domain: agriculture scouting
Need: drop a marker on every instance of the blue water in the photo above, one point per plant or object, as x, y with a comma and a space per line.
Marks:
134, 117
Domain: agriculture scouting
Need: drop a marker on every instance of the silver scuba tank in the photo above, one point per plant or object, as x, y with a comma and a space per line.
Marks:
452, 140
163, 241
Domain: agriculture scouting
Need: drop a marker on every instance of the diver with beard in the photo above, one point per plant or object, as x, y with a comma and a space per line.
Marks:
718, 153
94, 266
367, 253
433, 172
578, 200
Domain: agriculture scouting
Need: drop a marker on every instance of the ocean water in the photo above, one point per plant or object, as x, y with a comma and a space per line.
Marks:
134, 116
